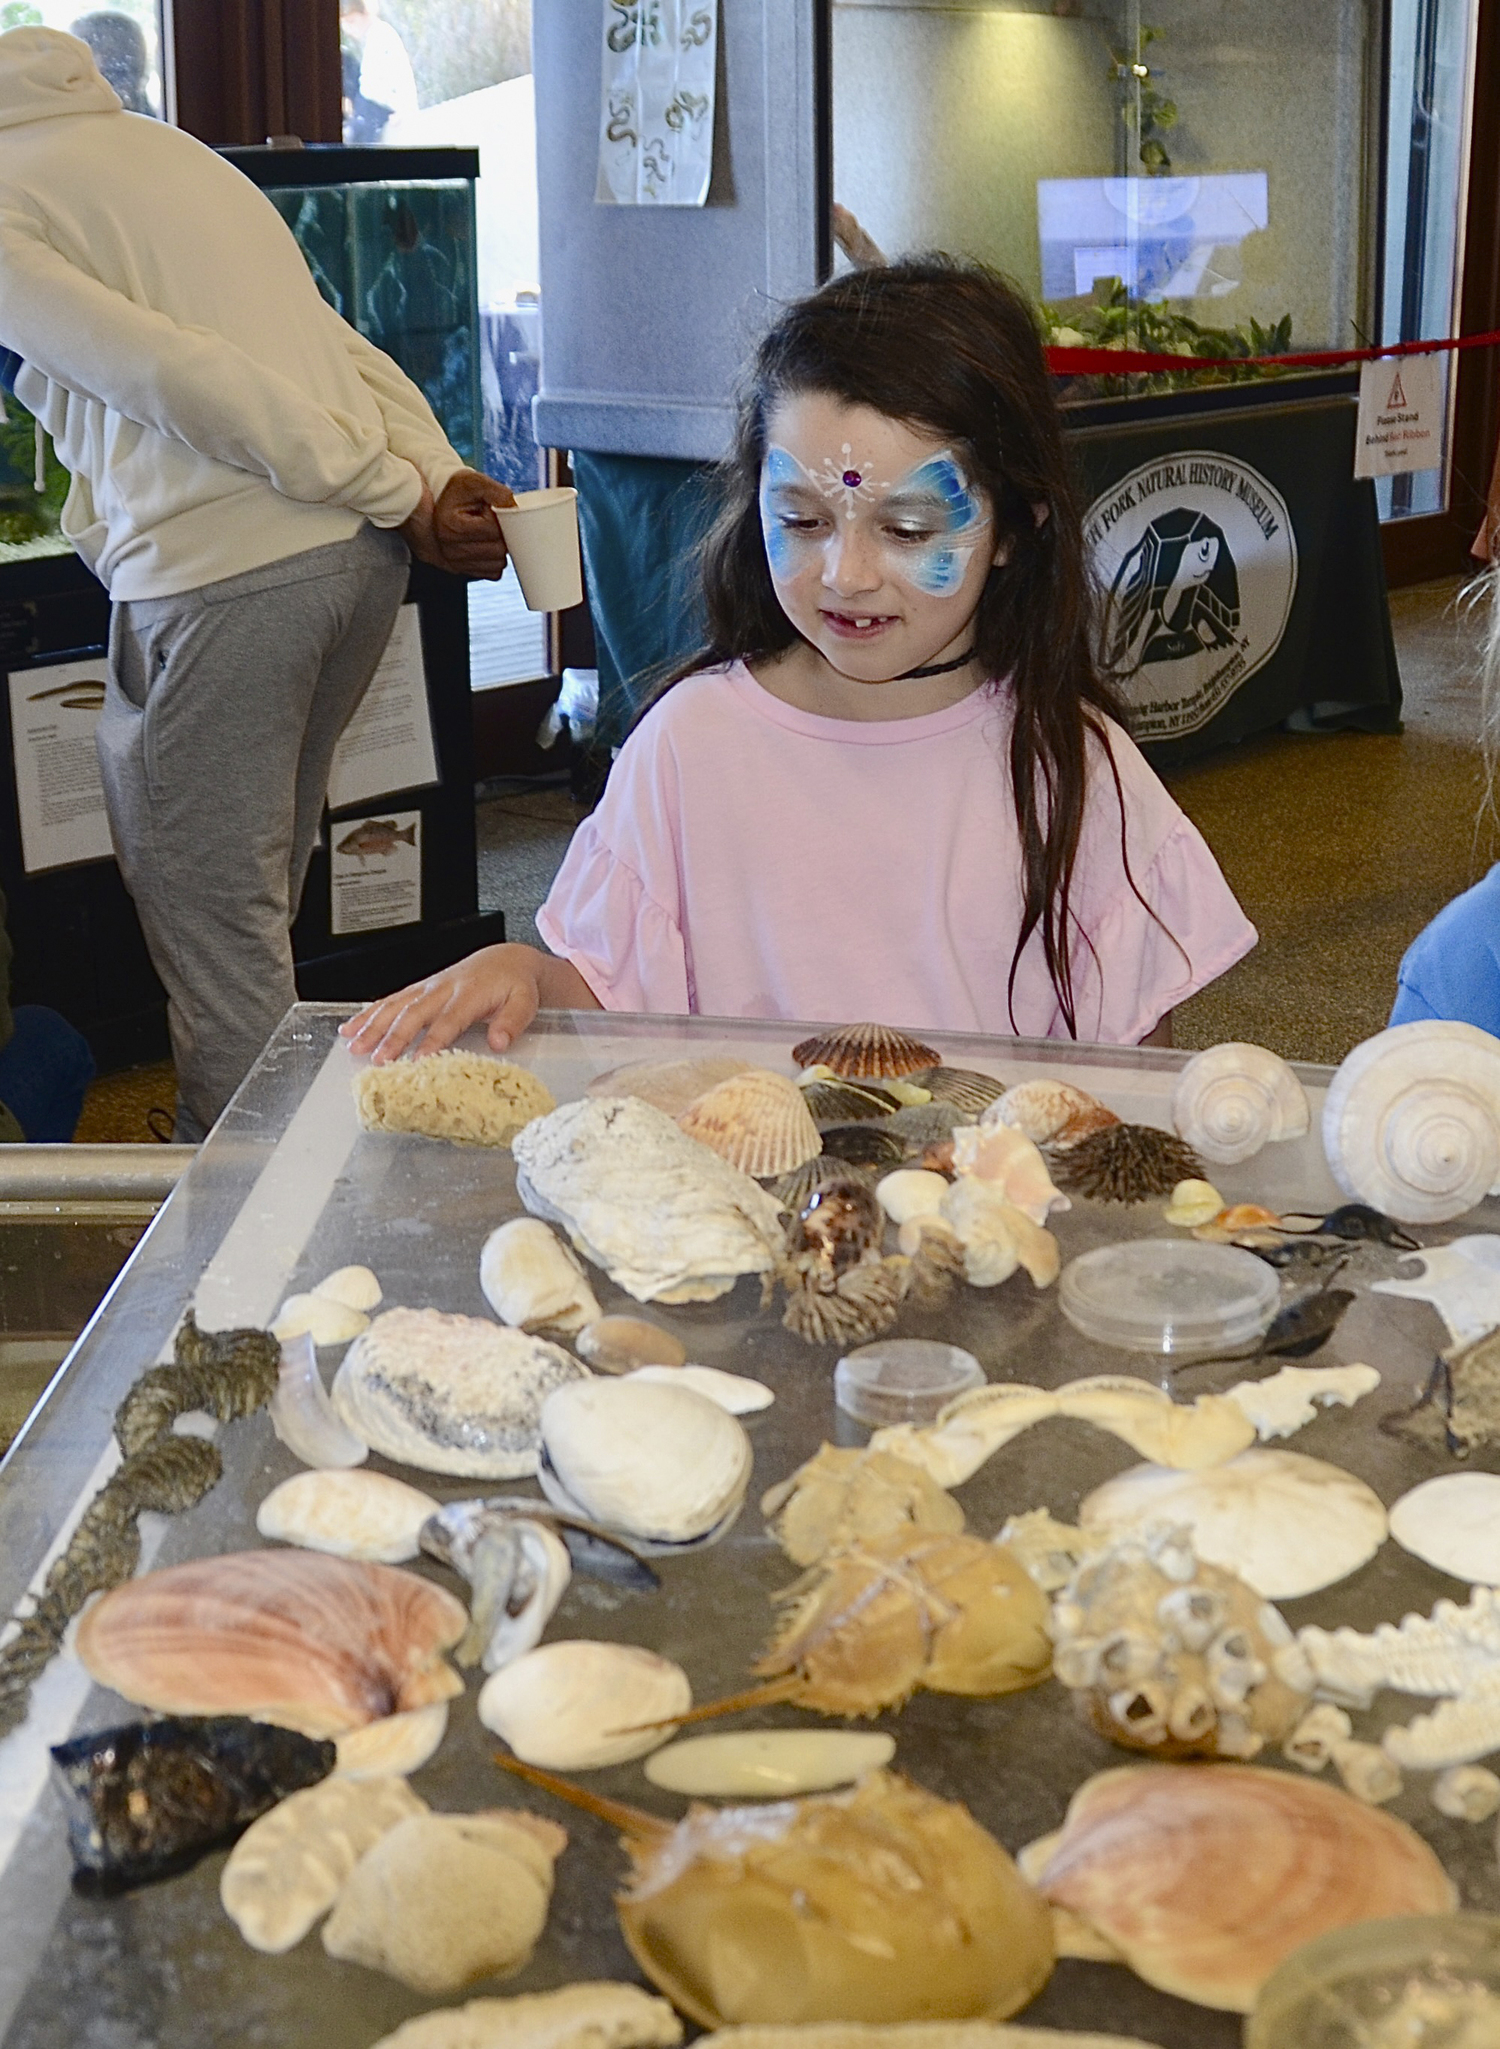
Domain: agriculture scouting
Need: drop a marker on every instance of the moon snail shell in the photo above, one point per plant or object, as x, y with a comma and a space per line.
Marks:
1233, 1099
1411, 1123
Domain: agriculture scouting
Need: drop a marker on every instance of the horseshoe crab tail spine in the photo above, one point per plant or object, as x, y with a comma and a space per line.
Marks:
632, 1822
777, 1690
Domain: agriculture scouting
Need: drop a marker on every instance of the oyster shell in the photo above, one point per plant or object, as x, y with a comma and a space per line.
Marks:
668, 1085
588, 2016
450, 1394
655, 1461
443, 1900
303, 1416
1007, 1159
315, 1643
768, 1764
1232, 1099
842, 1496
1050, 1112
757, 1121
667, 1219
1203, 1880
533, 1281
865, 1052
286, 1870
578, 1706
1411, 1121
356, 1514
1453, 1524
622, 1344
466, 1097
1287, 1523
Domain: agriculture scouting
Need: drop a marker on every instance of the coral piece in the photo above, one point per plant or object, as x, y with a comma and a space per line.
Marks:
1411, 1121
534, 1282
466, 1098
1453, 1651
1126, 1163
1458, 1731
579, 1706
843, 1496
757, 1121
865, 1052
1233, 1099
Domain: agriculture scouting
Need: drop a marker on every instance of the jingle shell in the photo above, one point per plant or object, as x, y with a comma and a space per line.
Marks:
865, 1052
533, 1281
623, 1344
1411, 1121
352, 1514
596, 2015
315, 1643
1050, 1112
757, 1121
285, 1872
650, 1460
1232, 1099
768, 1764
1452, 1523
1203, 1878
579, 1706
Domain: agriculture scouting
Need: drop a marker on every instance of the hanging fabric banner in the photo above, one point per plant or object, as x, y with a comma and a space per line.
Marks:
656, 102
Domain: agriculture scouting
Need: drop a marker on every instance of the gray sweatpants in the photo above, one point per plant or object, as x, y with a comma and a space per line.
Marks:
215, 743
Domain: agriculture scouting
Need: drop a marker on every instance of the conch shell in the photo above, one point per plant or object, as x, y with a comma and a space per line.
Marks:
880, 1904
1411, 1121
1006, 1158
315, 1643
757, 1121
996, 1236
1232, 1099
534, 1282
1202, 1879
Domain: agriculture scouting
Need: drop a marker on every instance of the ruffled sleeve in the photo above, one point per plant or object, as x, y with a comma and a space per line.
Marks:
600, 916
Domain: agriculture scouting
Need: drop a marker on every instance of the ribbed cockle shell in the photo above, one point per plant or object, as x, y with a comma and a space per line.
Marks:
758, 1121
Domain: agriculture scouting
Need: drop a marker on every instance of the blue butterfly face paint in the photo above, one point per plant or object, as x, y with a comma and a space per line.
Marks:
922, 530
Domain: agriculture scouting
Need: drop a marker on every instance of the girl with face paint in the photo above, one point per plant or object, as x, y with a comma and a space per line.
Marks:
894, 784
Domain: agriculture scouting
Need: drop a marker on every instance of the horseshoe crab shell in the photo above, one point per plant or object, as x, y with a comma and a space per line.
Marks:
866, 1052
1232, 1099
315, 1643
757, 1121
842, 1495
579, 1706
534, 1282
1202, 1878
652, 1460
1411, 1122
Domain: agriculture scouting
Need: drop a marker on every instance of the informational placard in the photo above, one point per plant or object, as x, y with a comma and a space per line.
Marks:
53, 713
656, 102
387, 745
376, 871
1400, 416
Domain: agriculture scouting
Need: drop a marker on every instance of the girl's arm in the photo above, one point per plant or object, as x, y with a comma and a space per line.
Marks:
506, 984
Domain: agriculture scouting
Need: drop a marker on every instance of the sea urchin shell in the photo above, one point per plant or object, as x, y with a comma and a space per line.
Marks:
1126, 1163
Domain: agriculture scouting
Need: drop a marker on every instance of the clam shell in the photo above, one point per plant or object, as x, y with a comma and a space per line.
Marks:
668, 1085
533, 1281
315, 1643
1453, 1524
303, 1416
733, 1392
355, 1286
578, 1706
1203, 1878
356, 1514
286, 1870
1411, 1121
588, 2016
320, 1317
1049, 1112
653, 1461
466, 1097
1286, 1523
757, 1121
865, 1052
623, 1344
395, 1745
1232, 1099
450, 1394
911, 1192
768, 1764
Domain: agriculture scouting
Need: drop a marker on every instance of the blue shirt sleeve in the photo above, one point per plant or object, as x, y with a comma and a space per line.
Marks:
1452, 969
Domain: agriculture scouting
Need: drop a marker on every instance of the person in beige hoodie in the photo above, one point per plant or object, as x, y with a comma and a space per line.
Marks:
249, 479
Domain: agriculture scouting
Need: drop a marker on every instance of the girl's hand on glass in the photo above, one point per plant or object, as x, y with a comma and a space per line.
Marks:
501, 983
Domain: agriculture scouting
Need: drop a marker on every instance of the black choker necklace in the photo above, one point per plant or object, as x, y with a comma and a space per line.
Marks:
937, 668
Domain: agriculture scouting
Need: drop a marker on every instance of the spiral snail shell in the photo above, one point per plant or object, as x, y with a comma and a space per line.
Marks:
1411, 1122
1233, 1099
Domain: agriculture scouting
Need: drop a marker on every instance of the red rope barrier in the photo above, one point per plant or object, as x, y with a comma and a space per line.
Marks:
1089, 362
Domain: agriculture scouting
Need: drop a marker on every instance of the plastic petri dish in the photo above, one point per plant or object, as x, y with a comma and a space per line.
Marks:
1430, 1981
1173, 1297
903, 1380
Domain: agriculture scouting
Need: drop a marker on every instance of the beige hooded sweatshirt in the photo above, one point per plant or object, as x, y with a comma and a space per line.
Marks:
214, 411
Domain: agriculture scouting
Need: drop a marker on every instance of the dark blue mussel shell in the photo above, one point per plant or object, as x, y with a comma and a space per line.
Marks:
149, 1799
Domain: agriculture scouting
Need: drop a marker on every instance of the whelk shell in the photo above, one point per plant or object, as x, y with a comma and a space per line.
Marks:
596, 2015
1232, 1099
533, 1281
356, 1514
657, 1462
1202, 1879
315, 1643
578, 1706
865, 1052
768, 1764
1051, 1112
1411, 1121
757, 1121
466, 1097
286, 1870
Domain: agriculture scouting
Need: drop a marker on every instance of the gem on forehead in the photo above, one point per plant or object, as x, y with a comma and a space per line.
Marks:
853, 479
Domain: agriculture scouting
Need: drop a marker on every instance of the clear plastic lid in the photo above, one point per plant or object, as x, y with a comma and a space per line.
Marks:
903, 1380
1171, 1296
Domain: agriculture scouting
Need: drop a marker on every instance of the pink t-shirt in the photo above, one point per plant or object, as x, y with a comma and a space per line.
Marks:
752, 860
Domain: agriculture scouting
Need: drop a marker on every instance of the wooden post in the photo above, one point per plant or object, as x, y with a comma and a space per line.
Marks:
241, 70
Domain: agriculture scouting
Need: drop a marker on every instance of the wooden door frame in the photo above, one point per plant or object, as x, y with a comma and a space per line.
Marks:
240, 71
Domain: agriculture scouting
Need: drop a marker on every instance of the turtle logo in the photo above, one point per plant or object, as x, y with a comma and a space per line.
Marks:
1175, 594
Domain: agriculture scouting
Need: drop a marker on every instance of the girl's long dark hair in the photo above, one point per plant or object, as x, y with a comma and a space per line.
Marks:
952, 349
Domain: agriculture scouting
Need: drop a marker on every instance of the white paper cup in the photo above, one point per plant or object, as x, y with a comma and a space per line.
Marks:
541, 534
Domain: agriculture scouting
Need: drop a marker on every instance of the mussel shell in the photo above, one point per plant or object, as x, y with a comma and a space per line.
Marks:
847, 1102
864, 1145
964, 1087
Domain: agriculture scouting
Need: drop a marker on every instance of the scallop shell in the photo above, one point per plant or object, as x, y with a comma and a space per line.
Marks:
668, 1085
1202, 1879
964, 1087
757, 1121
533, 1281
1233, 1099
1287, 1523
588, 2016
356, 1514
450, 1394
1411, 1121
830, 1101
1453, 1524
315, 1643
652, 1461
768, 1764
1050, 1112
286, 1870
303, 1416
579, 1706
865, 1052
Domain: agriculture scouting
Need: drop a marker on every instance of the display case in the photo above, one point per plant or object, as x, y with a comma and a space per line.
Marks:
287, 1188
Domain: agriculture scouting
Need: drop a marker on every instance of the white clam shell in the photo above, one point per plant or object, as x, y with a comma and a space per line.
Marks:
533, 1281
576, 1706
768, 1764
1453, 1523
1286, 1523
733, 1392
303, 1416
393, 1746
651, 1459
355, 1286
1411, 1122
352, 1514
1230, 1100
911, 1192
319, 1317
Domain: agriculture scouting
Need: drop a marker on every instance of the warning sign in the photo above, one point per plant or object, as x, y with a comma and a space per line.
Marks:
1400, 416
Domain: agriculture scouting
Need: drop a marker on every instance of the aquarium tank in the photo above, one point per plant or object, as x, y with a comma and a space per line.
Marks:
33, 485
